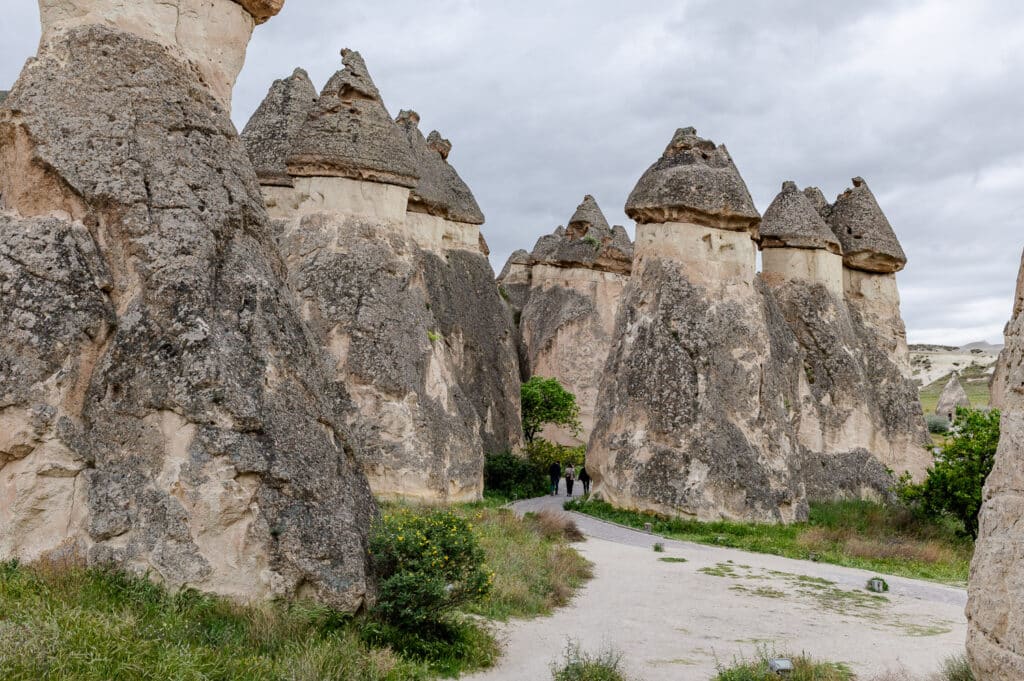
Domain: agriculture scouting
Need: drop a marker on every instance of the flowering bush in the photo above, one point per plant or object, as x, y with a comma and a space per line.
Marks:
428, 564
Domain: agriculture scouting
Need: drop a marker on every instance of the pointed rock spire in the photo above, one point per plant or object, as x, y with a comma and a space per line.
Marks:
588, 215
349, 133
868, 240
953, 396
440, 191
791, 221
694, 181
269, 134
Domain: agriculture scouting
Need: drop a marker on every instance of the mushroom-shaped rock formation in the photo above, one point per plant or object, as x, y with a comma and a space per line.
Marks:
269, 134
857, 413
868, 241
692, 413
402, 300
693, 182
349, 133
442, 213
164, 407
797, 243
995, 605
953, 396
576, 277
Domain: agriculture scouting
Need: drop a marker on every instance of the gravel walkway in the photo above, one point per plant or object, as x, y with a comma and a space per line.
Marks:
677, 620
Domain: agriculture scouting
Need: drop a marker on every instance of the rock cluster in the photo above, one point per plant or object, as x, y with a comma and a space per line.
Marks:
162, 404
995, 606
382, 242
566, 294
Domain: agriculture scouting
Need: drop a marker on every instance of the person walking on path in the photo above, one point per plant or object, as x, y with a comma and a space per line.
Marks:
585, 479
554, 472
570, 477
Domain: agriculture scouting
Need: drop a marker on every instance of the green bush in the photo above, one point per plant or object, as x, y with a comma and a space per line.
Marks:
546, 401
514, 477
956, 669
953, 486
577, 665
937, 424
543, 453
804, 669
428, 564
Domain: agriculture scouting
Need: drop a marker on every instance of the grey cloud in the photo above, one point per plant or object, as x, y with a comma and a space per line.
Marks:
548, 101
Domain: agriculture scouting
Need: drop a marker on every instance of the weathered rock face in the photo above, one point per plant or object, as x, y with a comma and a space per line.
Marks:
693, 415
953, 396
852, 404
995, 607
211, 34
572, 292
163, 406
398, 293
269, 134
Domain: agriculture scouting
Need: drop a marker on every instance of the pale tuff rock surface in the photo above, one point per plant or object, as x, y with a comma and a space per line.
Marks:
402, 300
953, 396
439, 191
857, 414
693, 181
210, 34
693, 416
868, 241
571, 296
349, 133
163, 406
995, 609
269, 133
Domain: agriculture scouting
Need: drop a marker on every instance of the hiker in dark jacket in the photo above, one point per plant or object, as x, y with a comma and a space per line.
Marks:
555, 473
585, 479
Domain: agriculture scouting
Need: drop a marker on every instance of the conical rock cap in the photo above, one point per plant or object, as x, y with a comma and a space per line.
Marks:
868, 240
349, 133
694, 181
269, 134
588, 215
440, 191
587, 242
791, 221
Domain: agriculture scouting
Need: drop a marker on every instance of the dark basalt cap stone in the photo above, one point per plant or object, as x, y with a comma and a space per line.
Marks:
694, 181
791, 221
588, 215
440, 191
588, 242
819, 202
868, 240
349, 133
269, 134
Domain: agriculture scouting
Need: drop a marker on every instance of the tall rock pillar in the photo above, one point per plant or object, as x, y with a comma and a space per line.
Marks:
692, 416
162, 405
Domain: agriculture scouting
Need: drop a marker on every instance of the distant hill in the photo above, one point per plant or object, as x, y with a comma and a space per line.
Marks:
984, 346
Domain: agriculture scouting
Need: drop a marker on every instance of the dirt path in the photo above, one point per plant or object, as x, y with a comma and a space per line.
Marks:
674, 620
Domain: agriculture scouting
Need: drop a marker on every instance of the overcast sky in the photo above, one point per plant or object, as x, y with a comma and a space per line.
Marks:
546, 101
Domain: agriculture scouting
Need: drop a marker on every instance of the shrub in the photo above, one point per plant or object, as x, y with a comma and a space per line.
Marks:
514, 477
956, 669
577, 665
428, 564
954, 484
592, 242
555, 525
937, 424
804, 669
658, 547
546, 401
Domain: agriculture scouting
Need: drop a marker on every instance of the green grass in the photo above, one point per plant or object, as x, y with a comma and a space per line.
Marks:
578, 665
974, 380
89, 624
672, 559
860, 534
804, 669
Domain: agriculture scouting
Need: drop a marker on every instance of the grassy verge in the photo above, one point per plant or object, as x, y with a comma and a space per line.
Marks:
804, 669
83, 624
975, 381
856, 534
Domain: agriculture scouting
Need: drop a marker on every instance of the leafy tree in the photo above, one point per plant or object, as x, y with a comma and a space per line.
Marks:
546, 401
954, 484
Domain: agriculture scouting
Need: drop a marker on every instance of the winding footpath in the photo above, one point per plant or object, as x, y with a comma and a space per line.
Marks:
676, 621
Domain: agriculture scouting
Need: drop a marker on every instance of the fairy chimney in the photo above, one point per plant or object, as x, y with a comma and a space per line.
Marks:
691, 416
271, 131
381, 238
576, 279
953, 396
164, 409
